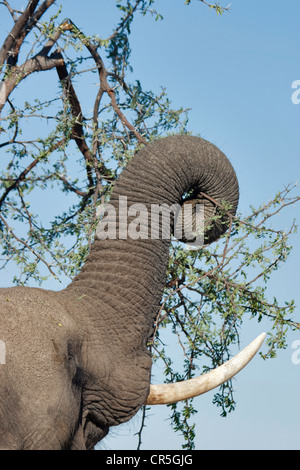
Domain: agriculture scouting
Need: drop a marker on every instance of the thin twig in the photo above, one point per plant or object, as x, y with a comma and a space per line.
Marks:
23, 242
23, 174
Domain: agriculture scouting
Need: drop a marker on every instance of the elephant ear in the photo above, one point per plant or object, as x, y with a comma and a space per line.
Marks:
171, 393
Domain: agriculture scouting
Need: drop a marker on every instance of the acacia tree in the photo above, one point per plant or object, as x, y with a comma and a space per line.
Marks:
209, 292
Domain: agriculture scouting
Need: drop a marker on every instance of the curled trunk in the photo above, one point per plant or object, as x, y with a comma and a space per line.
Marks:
171, 171
124, 276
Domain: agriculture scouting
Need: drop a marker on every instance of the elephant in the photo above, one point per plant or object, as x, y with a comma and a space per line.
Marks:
76, 360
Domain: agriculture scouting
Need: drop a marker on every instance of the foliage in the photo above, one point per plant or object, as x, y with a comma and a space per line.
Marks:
216, 6
62, 141
106, 139
212, 292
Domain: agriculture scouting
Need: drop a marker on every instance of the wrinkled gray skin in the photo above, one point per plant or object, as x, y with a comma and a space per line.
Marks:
76, 360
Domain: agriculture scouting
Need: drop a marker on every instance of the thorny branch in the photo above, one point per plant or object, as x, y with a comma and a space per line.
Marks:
41, 62
24, 22
77, 131
23, 242
7, 50
233, 247
104, 85
25, 172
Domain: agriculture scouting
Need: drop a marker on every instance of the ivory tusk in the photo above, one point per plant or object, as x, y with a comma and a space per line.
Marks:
171, 393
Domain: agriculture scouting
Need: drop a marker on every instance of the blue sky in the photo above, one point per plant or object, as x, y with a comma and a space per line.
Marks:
235, 72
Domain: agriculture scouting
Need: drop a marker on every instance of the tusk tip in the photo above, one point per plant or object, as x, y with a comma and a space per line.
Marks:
171, 393
260, 339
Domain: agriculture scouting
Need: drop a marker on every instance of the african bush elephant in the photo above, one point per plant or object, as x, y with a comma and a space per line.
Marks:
76, 361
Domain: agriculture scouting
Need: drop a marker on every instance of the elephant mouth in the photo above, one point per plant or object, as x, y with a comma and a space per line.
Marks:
171, 393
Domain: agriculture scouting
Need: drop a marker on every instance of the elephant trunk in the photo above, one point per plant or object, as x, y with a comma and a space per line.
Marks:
124, 275
181, 170
127, 263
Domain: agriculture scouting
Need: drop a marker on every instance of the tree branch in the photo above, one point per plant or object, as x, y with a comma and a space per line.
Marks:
41, 61
36, 64
12, 140
70, 187
38, 14
104, 85
16, 31
10, 9
32, 20
124, 21
23, 174
77, 130
19, 240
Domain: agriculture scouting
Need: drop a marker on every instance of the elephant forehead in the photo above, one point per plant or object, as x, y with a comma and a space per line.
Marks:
18, 303
33, 323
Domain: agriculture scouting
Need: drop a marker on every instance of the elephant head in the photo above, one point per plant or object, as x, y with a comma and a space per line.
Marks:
77, 360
